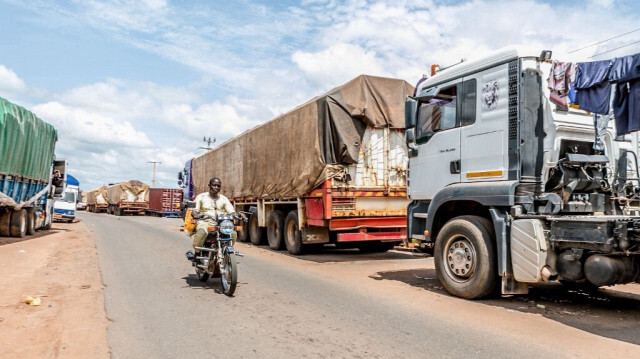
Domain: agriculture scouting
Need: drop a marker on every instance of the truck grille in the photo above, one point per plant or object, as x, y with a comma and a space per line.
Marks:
343, 204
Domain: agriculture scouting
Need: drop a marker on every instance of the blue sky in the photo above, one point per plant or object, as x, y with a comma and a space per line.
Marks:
128, 82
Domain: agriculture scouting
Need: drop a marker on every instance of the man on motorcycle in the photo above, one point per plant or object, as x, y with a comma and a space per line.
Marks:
209, 204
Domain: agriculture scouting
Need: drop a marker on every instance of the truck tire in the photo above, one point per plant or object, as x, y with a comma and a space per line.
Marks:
256, 234
292, 235
5, 223
31, 221
275, 230
19, 223
243, 235
465, 257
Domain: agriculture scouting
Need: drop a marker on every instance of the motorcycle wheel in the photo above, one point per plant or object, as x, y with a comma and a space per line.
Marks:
228, 275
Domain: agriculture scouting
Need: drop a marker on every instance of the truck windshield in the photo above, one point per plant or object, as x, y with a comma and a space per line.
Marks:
69, 197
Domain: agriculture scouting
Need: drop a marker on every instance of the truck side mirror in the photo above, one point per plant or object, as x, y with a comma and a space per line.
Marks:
410, 135
179, 176
410, 112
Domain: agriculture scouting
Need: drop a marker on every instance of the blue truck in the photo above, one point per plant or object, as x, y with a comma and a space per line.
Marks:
27, 166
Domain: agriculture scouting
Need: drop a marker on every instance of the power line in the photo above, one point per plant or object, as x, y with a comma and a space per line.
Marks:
600, 42
617, 48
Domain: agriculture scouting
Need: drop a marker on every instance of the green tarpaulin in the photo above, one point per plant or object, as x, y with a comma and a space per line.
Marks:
26, 143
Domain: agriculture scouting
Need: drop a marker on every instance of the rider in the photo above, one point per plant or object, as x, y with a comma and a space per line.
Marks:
209, 204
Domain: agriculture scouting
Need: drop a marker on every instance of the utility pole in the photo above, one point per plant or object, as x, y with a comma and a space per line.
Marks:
208, 141
153, 181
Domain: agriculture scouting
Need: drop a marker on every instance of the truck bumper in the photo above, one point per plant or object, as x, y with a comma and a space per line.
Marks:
363, 235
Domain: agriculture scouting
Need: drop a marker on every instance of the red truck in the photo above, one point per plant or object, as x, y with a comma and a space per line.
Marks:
332, 170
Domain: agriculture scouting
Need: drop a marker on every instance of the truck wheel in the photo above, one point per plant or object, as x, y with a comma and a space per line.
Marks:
18, 223
275, 230
256, 234
5, 223
31, 221
292, 235
243, 235
465, 257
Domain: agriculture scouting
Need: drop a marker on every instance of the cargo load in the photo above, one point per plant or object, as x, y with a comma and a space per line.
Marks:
127, 197
335, 166
97, 200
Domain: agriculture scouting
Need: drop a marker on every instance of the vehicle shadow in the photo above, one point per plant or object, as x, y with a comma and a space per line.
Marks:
340, 255
610, 312
214, 284
38, 234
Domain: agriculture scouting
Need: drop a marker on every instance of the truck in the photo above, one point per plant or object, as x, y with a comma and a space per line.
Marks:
332, 170
97, 200
64, 206
27, 146
165, 202
82, 201
508, 189
130, 197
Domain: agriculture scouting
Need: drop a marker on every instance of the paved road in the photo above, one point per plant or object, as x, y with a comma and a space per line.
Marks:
338, 304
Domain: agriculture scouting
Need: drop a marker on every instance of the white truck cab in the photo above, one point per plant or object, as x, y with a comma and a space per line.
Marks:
508, 188
64, 206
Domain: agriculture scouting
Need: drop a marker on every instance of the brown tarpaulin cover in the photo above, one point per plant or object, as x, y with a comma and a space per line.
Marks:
297, 151
93, 194
117, 192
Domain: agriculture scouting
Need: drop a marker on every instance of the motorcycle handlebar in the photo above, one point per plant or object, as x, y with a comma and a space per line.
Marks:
236, 215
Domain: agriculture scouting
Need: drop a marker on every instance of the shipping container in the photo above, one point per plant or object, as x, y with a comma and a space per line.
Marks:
165, 202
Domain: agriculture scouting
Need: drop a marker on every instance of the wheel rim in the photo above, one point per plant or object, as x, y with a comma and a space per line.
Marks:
291, 233
23, 223
460, 258
274, 231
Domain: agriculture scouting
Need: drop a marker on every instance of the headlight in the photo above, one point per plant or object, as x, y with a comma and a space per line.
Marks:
226, 227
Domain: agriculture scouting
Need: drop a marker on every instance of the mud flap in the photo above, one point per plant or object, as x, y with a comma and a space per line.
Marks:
512, 286
315, 235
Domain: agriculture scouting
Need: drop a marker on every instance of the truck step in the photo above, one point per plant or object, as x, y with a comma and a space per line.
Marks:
420, 215
417, 236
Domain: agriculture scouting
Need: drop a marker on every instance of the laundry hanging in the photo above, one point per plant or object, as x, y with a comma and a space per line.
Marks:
593, 89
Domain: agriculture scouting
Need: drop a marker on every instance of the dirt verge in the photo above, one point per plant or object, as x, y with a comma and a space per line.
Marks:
60, 267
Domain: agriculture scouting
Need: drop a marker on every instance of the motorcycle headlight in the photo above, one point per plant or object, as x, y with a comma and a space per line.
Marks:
226, 227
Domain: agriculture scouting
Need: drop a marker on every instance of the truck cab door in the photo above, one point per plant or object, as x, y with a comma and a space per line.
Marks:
437, 138
60, 166
485, 125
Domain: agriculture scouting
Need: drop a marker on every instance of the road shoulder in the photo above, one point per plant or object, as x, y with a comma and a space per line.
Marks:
59, 266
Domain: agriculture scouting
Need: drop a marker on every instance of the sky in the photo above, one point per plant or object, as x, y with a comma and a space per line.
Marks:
127, 83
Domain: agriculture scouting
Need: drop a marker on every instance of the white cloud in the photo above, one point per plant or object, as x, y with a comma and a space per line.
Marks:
10, 82
80, 126
337, 64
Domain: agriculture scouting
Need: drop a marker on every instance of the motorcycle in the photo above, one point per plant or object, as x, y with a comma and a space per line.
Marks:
215, 255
